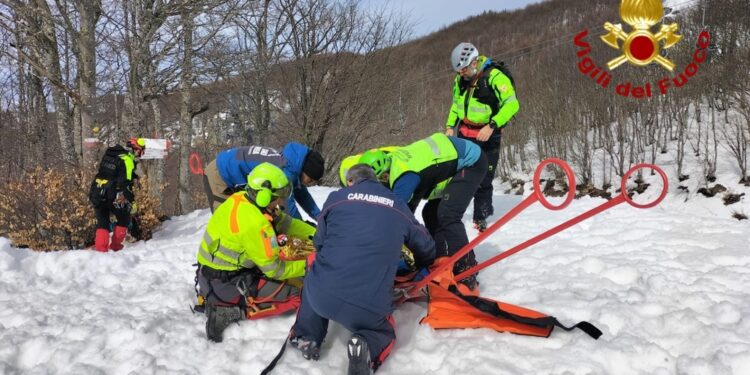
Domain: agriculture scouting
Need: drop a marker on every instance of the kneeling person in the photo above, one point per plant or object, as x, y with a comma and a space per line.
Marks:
240, 273
360, 232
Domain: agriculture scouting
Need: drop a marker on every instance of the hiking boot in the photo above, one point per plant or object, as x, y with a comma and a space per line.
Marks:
309, 348
480, 225
470, 282
219, 318
359, 356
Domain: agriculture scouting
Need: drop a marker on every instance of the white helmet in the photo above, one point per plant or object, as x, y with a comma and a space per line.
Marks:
463, 55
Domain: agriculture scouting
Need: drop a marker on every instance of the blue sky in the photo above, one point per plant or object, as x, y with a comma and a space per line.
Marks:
431, 15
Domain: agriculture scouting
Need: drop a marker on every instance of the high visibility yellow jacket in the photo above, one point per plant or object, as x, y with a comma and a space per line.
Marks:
240, 235
491, 99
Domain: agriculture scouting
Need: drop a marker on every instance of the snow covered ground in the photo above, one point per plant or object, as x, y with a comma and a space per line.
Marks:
667, 286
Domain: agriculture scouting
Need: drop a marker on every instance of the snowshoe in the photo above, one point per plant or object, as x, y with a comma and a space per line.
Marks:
359, 356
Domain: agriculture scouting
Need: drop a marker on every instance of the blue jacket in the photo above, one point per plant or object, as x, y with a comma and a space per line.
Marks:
235, 164
359, 237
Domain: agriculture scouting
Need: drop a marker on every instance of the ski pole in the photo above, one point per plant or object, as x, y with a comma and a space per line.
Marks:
537, 196
623, 197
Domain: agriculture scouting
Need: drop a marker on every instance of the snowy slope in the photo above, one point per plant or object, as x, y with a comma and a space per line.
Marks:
666, 285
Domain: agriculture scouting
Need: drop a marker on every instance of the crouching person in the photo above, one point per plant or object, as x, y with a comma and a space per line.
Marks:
241, 273
360, 232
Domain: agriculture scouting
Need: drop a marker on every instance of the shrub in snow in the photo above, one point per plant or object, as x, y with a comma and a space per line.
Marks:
49, 210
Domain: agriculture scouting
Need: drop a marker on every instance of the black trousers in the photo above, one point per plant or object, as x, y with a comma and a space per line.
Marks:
442, 217
231, 288
107, 208
319, 307
483, 197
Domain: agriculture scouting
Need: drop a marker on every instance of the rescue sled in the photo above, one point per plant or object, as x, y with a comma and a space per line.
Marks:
451, 305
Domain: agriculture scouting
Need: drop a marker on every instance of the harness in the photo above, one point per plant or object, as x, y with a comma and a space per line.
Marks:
479, 89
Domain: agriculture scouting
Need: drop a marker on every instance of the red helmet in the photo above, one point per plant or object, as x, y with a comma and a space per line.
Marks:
138, 145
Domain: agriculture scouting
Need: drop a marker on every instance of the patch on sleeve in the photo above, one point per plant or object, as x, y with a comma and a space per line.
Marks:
269, 242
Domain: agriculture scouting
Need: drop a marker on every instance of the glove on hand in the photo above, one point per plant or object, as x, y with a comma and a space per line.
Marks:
120, 201
292, 248
408, 257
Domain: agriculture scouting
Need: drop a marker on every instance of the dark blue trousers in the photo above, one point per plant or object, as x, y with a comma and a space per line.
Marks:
483, 196
318, 307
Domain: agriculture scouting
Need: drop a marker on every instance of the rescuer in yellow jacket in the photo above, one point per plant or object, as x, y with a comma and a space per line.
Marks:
243, 270
484, 101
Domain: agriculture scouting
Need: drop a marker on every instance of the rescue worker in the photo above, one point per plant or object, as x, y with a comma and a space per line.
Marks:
349, 161
111, 193
303, 167
484, 101
240, 272
360, 234
416, 171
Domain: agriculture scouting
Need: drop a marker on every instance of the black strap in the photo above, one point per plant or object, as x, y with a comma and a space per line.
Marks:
492, 308
470, 92
584, 326
276, 359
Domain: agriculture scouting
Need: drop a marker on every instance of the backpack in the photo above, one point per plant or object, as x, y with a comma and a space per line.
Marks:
102, 188
500, 65
484, 93
99, 191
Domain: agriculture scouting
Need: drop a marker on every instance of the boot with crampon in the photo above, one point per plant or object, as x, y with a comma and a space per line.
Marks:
359, 356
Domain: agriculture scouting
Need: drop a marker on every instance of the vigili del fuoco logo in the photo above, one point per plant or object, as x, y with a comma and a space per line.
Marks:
640, 47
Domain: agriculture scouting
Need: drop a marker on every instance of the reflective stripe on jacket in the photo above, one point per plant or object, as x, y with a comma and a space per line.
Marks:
239, 235
479, 109
420, 155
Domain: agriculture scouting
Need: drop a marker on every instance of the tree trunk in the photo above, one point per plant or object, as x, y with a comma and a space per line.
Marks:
90, 11
186, 123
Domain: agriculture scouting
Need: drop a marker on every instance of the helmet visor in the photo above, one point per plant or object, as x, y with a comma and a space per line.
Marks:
284, 192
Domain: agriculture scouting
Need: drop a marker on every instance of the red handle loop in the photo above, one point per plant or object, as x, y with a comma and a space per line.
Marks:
571, 183
194, 162
624, 191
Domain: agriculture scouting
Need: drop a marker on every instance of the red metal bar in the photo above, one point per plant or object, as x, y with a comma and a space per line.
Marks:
194, 162
623, 197
537, 196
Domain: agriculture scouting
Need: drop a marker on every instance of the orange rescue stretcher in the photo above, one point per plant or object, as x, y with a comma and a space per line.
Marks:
450, 306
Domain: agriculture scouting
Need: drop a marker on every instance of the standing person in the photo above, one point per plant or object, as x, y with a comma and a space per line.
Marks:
240, 272
302, 166
360, 234
416, 171
484, 101
111, 193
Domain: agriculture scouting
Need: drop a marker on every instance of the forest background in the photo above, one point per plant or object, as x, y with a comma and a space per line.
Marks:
340, 78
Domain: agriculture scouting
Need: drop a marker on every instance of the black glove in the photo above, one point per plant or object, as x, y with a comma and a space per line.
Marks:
120, 201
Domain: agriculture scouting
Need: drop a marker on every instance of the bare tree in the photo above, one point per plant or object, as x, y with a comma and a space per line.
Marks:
35, 21
333, 74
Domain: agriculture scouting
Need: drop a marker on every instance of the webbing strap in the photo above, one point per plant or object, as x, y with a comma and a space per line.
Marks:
470, 92
276, 359
492, 308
